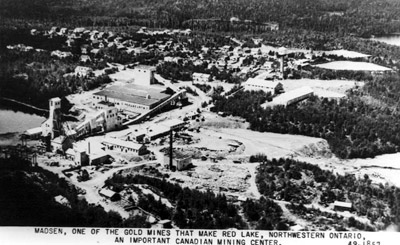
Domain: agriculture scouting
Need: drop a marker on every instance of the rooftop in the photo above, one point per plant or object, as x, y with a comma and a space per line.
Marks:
134, 94
59, 140
158, 129
70, 151
284, 98
197, 74
263, 83
34, 131
107, 103
127, 144
172, 122
145, 67
106, 192
343, 204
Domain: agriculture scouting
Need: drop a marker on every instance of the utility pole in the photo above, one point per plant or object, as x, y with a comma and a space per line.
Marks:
171, 152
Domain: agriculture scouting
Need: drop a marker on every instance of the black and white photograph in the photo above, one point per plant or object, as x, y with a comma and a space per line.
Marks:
223, 122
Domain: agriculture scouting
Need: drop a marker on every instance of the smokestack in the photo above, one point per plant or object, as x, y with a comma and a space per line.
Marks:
88, 147
170, 150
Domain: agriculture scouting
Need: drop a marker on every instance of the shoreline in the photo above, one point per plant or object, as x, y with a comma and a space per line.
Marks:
24, 107
12, 137
7, 139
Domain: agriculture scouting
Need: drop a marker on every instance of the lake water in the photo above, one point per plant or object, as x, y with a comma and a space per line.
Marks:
393, 39
16, 121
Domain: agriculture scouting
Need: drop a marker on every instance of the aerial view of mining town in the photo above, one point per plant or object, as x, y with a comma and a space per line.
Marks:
200, 114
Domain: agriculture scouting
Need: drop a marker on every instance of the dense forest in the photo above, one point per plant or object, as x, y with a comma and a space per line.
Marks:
192, 210
195, 209
352, 127
28, 200
35, 76
264, 214
302, 183
360, 17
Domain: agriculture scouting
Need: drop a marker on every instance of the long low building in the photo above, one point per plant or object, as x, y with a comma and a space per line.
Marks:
293, 96
173, 124
124, 146
268, 86
133, 98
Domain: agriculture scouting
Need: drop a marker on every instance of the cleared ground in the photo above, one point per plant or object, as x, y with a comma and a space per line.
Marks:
381, 169
353, 66
322, 88
344, 53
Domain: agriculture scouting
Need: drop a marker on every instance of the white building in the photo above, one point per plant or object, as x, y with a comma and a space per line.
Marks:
124, 146
342, 206
79, 30
63, 31
132, 98
180, 160
173, 124
85, 58
111, 119
61, 54
268, 65
144, 75
293, 96
201, 77
156, 131
264, 85
105, 120
34, 133
83, 71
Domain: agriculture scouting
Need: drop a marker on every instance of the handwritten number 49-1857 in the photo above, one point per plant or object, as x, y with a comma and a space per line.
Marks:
364, 243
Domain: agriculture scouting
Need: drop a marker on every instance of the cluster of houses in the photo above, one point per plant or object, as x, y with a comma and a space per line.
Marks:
91, 44
264, 60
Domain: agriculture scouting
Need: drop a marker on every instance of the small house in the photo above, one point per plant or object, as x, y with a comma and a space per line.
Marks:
342, 206
201, 77
112, 195
83, 71
180, 160
34, 133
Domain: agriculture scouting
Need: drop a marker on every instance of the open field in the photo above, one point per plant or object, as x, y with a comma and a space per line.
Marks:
344, 53
353, 66
322, 88
272, 144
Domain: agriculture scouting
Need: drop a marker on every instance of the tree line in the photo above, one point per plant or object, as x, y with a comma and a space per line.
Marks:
28, 200
193, 209
352, 127
362, 18
283, 179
